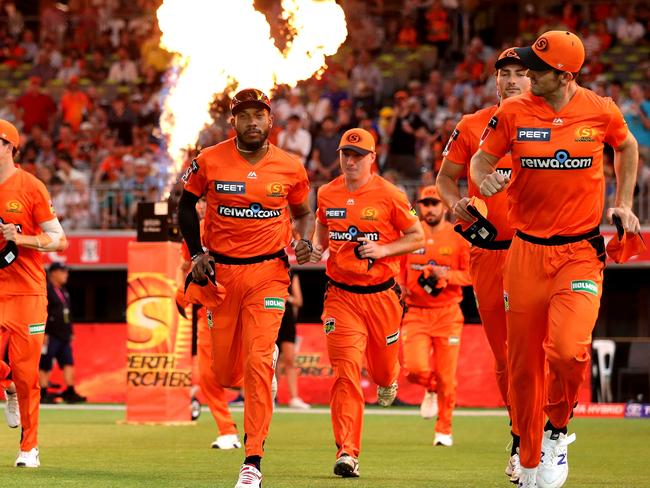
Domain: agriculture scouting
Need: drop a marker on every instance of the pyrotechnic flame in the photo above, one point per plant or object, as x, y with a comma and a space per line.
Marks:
227, 44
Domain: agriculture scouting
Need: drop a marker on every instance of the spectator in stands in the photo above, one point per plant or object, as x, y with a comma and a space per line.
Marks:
123, 70
630, 30
14, 19
294, 139
291, 105
407, 36
52, 52
43, 68
324, 157
70, 68
9, 110
58, 336
615, 91
318, 107
75, 104
121, 120
95, 68
439, 30
11, 53
403, 130
366, 75
66, 141
67, 173
36, 107
46, 153
636, 111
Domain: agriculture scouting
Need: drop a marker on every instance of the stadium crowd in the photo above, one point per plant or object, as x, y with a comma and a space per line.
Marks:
84, 83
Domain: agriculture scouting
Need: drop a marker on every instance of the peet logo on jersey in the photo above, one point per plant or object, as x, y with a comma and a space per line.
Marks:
277, 190
561, 160
585, 133
532, 134
255, 211
507, 172
191, 169
336, 213
452, 138
352, 234
14, 206
369, 213
230, 187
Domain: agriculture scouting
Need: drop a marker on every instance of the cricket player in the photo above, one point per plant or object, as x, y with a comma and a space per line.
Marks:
367, 223
554, 268
434, 276
253, 189
29, 227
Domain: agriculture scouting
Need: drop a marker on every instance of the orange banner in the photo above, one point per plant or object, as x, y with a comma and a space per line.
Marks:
159, 341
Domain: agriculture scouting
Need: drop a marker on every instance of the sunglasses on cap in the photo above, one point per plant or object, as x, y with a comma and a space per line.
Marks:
249, 97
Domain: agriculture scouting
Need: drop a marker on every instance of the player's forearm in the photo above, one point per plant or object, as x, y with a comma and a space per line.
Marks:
321, 236
447, 186
42, 242
626, 160
304, 224
458, 277
480, 167
188, 221
409, 242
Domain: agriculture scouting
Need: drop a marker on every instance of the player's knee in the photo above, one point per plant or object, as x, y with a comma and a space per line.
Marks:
565, 357
419, 377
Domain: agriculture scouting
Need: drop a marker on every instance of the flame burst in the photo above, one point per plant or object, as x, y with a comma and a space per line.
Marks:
224, 44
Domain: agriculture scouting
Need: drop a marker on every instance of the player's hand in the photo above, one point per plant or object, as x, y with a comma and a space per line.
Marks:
629, 221
439, 272
303, 249
203, 267
405, 291
493, 184
316, 254
460, 210
9, 232
370, 249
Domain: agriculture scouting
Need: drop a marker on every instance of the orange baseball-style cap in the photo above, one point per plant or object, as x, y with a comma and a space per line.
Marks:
401, 94
209, 293
429, 193
624, 245
561, 50
509, 56
9, 133
249, 97
357, 140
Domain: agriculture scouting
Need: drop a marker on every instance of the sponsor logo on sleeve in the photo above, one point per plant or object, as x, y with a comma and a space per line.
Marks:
254, 211
36, 328
560, 160
412, 211
329, 325
191, 169
230, 187
584, 286
533, 134
336, 213
392, 339
452, 138
585, 133
208, 314
492, 124
274, 303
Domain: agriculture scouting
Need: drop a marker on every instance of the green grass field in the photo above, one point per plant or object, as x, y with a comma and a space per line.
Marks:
85, 448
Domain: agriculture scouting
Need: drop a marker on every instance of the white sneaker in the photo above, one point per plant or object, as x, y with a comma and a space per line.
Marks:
429, 405
513, 469
228, 441
527, 478
249, 477
28, 459
346, 466
12, 412
554, 468
386, 394
298, 402
445, 440
274, 381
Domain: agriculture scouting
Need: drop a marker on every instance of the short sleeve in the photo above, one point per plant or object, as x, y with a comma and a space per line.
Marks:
43, 209
299, 191
458, 148
320, 211
195, 178
403, 215
617, 130
497, 135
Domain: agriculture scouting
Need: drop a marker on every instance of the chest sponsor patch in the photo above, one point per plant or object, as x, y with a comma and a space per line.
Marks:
230, 187
352, 234
507, 172
533, 134
454, 340
560, 160
336, 213
274, 303
369, 213
584, 286
254, 211
277, 190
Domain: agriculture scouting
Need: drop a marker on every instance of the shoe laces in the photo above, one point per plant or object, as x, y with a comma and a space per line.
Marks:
563, 441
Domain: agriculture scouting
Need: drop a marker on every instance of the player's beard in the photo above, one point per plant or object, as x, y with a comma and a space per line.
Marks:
252, 145
432, 220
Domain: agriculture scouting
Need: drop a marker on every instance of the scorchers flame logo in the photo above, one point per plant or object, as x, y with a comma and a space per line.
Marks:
354, 138
150, 313
541, 44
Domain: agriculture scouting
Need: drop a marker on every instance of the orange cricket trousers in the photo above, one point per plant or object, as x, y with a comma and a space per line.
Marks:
359, 324
244, 329
552, 299
24, 317
486, 268
214, 393
431, 343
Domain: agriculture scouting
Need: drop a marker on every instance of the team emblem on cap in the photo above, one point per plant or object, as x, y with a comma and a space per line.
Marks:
354, 138
511, 53
541, 44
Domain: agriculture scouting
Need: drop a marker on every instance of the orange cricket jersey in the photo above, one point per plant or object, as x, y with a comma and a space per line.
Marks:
557, 185
25, 202
442, 247
247, 204
379, 211
462, 145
